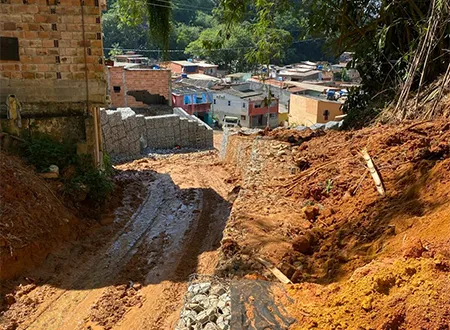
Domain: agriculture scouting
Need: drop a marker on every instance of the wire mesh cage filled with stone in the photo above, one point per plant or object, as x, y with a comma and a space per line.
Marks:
206, 304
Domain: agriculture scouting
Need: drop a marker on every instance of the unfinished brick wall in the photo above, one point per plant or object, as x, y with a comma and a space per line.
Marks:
175, 68
60, 45
137, 88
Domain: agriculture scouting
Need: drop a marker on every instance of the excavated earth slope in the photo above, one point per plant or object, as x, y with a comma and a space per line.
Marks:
33, 220
308, 204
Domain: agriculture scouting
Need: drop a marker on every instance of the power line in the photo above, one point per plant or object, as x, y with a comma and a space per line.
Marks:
181, 8
213, 49
181, 5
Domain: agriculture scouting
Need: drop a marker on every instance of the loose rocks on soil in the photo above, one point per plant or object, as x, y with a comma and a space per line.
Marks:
207, 305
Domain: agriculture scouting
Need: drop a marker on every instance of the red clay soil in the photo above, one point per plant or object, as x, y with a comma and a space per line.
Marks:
309, 205
32, 219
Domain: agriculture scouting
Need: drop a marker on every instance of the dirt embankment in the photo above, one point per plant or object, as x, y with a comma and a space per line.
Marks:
33, 220
308, 204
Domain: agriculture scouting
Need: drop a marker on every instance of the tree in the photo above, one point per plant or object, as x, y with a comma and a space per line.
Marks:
229, 53
398, 45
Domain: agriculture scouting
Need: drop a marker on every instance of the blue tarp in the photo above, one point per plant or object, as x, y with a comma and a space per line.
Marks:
187, 99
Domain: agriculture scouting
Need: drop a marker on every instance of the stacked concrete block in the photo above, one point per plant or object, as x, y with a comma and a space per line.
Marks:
126, 133
184, 132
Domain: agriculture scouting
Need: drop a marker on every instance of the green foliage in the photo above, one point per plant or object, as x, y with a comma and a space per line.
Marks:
116, 50
159, 14
384, 35
232, 56
43, 151
328, 185
96, 184
358, 109
126, 26
107, 164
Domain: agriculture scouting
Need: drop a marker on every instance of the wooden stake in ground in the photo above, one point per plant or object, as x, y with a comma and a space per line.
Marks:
373, 171
275, 271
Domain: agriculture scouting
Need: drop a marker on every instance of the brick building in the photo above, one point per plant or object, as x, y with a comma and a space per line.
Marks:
51, 59
138, 87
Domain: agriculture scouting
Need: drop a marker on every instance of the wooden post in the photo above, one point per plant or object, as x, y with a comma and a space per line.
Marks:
374, 172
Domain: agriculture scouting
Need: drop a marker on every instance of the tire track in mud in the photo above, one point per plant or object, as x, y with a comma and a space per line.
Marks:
197, 240
125, 245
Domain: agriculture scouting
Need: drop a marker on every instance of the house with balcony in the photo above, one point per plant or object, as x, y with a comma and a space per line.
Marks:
194, 100
248, 105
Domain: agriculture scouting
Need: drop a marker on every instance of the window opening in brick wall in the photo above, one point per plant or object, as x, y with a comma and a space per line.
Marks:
58, 75
116, 89
54, 28
9, 49
56, 43
243, 117
52, 10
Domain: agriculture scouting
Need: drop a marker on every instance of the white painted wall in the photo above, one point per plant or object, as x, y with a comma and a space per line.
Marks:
225, 104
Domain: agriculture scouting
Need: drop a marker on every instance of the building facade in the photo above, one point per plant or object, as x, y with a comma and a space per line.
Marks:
138, 87
179, 67
192, 67
308, 110
247, 105
195, 101
51, 63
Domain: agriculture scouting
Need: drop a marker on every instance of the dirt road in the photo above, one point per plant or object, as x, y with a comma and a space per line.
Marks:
133, 273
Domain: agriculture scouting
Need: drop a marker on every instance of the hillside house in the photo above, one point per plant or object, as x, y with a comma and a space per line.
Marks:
130, 59
195, 101
51, 61
192, 67
308, 110
207, 68
246, 104
300, 74
179, 67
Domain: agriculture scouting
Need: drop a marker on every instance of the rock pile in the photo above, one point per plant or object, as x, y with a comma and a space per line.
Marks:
207, 306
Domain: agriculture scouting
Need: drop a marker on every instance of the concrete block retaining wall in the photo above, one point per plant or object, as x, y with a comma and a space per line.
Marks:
126, 134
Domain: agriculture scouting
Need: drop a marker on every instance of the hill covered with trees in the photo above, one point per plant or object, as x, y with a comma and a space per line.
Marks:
195, 31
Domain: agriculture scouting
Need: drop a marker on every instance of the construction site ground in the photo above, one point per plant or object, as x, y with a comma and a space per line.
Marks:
303, 201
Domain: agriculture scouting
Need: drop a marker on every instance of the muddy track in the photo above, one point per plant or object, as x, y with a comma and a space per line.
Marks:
110, 265
137, 280
196, 238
